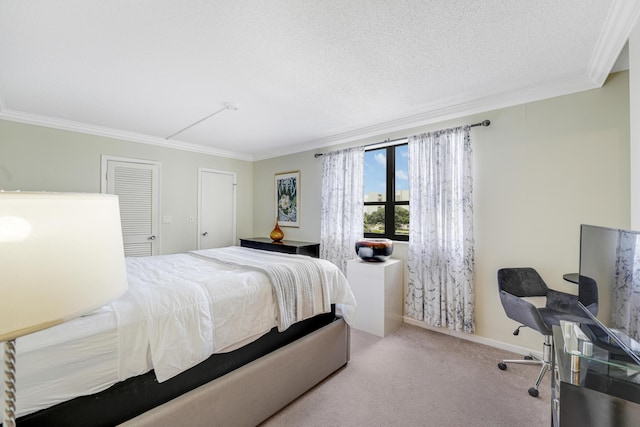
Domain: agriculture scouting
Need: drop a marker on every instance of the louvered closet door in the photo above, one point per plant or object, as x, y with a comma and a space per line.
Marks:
136, 185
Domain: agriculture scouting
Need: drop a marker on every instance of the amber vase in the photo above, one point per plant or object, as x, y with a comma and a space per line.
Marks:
276, 234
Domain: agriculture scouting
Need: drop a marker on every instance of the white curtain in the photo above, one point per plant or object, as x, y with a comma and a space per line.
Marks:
342, 205
625, 307
440, 261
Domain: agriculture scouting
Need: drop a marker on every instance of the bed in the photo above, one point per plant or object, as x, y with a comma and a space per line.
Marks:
196, 340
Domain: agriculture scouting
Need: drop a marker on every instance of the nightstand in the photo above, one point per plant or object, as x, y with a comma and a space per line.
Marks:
377, 287
283, 246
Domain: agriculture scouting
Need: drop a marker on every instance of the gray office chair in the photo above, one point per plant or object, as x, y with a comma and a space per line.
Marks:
516, 283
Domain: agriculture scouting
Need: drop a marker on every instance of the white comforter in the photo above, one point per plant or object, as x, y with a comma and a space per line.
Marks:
193, 305
185, 310
178, 310
300, 284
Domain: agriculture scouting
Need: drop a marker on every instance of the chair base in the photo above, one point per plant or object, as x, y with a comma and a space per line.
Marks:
532, 359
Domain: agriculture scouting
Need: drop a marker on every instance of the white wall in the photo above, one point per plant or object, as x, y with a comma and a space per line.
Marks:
34, 158
540, 170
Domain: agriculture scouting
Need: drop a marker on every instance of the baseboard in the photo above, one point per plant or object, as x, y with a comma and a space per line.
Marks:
475, 338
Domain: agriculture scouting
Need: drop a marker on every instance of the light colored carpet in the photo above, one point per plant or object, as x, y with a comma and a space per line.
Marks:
417, 377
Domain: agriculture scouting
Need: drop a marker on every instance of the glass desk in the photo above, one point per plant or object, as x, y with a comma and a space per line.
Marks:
601, 390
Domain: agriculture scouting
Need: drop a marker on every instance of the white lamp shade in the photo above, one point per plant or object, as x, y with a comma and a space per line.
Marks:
61, 255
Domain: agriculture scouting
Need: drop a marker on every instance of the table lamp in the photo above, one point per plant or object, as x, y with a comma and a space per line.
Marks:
61, 256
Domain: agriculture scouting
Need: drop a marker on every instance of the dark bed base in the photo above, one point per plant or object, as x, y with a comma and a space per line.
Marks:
132, 397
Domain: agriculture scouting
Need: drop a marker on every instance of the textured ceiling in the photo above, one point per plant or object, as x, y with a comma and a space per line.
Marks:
304, 74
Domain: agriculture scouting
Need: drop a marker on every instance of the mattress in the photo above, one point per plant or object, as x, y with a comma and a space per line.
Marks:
222, 306
138, 395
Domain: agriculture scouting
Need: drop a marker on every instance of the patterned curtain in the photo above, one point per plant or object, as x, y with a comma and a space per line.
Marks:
342, 205
440, 261
625, 307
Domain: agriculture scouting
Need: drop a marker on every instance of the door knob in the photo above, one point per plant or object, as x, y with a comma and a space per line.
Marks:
151, 237
205, 233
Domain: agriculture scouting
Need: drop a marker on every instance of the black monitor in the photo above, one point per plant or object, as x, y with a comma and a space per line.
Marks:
610, 261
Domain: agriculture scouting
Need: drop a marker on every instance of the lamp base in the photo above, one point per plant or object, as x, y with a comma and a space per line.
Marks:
9, 418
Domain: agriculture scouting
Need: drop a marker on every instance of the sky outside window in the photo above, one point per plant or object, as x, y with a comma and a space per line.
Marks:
375, 174
402, 173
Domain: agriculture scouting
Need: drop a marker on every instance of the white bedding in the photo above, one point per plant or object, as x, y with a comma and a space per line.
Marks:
221, 307
300, 284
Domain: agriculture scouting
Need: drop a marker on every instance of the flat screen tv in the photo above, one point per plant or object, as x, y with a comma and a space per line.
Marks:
611, 258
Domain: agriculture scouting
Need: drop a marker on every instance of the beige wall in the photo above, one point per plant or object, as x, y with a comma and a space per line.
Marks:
264, 200
540, 170
34, 158
634, 111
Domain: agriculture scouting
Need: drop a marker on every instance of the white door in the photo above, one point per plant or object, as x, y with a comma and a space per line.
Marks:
136, 185
216, 209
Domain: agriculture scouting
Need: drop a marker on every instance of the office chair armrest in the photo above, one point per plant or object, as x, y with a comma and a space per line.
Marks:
562, 301
523, 312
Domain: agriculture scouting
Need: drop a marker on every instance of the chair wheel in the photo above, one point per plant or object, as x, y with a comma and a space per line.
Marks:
502, 366
528, 358
533, 392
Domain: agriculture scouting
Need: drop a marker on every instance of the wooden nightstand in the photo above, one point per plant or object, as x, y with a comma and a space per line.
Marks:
284, 246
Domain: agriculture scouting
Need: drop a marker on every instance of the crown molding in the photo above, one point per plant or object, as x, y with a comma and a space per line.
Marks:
51, 122
435, 114
617, 27
442, 113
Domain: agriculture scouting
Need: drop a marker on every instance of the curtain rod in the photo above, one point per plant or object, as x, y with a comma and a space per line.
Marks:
388, 142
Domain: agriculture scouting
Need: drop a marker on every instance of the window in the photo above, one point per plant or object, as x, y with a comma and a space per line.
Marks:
386, 192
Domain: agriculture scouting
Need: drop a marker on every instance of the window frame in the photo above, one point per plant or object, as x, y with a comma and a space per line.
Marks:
390, 202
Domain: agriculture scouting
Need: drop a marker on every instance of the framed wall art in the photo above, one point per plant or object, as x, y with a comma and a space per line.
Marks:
287, 198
